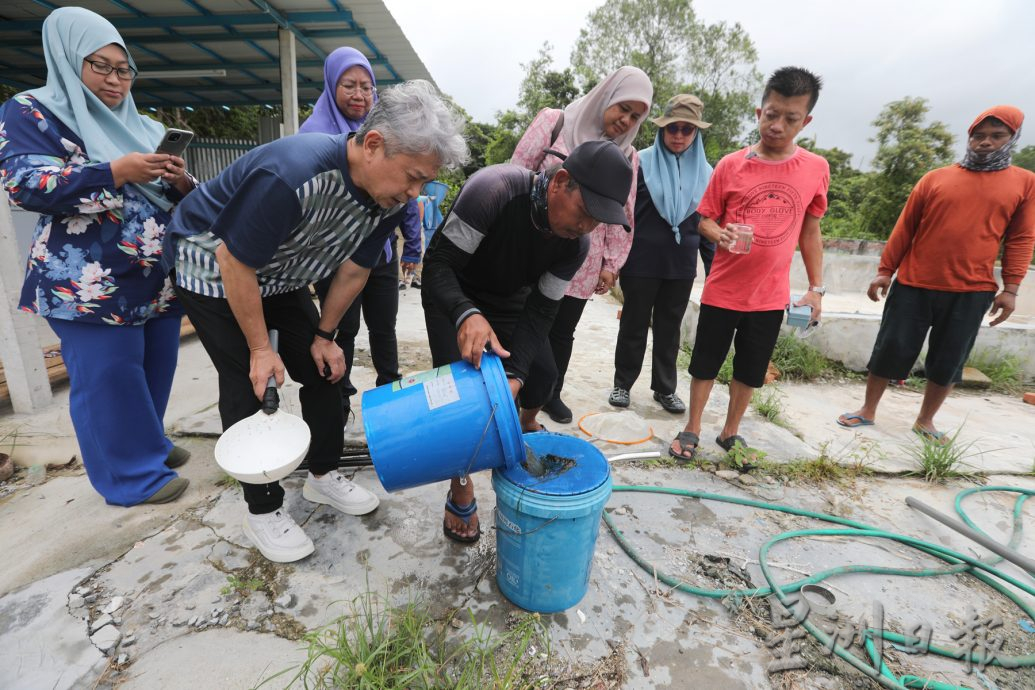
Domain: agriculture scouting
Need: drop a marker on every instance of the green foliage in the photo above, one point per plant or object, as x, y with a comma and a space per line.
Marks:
939, 459
377, 646
725, 374
244, 587
544, 87
766, 401
680, 53
501, 144
799, 361
1025, 158
906, 149
742, 457
1005, 370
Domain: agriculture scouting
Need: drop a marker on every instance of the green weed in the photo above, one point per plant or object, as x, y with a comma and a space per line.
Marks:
375, 645
1005, 370
244, 587
227, 481
742, 457
799, 361
849, 463
768, 403
939, 459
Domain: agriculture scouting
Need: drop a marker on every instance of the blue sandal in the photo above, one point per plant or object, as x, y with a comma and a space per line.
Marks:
465, 513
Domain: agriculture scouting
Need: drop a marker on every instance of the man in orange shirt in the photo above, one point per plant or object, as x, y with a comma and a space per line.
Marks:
944, 248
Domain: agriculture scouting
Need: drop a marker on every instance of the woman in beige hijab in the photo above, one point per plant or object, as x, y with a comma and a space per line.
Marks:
613, 109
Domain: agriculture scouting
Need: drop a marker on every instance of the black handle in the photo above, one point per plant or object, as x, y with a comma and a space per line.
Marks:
271, 399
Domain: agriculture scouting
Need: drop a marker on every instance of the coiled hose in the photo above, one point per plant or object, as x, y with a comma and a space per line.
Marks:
983, 570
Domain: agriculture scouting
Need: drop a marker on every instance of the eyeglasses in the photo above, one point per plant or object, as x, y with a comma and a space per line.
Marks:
677, 128
366, 89
124, 73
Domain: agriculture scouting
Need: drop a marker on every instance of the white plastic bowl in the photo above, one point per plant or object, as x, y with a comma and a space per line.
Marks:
263, 448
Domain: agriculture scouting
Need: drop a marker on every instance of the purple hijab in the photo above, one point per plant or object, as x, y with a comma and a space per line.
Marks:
326, 117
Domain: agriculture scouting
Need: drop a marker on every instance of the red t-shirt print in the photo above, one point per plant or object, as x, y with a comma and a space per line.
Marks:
772, 207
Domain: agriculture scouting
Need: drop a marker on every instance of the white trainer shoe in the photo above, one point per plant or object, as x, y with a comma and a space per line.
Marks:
338, 492
278, 537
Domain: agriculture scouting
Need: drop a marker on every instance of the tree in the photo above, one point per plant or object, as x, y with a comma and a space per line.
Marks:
544, 87
1025, 158
678, 52
906, 149
848, 188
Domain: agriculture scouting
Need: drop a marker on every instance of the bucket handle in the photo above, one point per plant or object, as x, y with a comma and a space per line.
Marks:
467, 470
503, 524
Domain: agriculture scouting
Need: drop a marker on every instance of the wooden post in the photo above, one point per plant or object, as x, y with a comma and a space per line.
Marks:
20, 351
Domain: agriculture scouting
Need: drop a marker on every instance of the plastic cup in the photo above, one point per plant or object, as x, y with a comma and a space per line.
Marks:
745, 234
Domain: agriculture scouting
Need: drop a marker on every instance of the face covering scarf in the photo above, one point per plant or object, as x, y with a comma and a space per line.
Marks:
992, 161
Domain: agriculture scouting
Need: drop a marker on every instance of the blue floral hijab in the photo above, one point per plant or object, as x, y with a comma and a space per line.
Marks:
69, 35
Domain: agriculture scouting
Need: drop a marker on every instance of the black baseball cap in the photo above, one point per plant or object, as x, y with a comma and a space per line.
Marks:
604, 176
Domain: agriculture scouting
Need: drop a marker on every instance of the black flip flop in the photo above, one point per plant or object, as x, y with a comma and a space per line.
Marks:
465, 513
728, 443
684, 439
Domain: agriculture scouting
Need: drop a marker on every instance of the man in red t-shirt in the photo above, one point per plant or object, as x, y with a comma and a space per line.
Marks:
781, 190
944, 248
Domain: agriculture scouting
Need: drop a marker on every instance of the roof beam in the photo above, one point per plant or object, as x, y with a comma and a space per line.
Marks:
153, 39
266, 17
284, 23
231, 89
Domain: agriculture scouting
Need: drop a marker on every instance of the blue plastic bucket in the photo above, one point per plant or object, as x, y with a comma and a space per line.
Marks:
546, 527
448, 422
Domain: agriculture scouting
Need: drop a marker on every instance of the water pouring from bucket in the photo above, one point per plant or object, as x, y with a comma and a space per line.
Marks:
267, 446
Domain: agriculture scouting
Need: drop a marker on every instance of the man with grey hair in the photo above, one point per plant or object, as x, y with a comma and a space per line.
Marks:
244, 248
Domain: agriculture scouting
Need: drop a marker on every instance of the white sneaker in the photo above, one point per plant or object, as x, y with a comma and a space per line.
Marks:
278, 537
338, 492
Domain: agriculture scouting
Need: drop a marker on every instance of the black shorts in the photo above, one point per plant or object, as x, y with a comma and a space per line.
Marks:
753, 335
953, 318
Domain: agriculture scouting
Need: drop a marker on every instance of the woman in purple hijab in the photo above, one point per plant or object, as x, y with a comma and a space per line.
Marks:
349, 92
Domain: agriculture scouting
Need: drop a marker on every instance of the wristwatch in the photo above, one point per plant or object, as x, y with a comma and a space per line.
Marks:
818, 289
327, 335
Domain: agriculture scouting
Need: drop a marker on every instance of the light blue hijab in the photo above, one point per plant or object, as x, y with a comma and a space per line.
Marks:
69, 35
676, 182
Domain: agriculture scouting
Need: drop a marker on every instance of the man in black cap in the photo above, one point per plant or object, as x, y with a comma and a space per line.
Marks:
497, 269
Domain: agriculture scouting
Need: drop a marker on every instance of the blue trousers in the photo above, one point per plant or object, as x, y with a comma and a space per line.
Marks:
120, 380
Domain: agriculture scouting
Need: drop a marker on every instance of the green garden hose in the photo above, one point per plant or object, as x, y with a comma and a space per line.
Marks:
983, 570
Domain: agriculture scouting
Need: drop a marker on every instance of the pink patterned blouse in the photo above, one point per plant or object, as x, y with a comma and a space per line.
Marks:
609, 244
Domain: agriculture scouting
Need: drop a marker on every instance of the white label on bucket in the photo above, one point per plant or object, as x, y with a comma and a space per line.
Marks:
441, 391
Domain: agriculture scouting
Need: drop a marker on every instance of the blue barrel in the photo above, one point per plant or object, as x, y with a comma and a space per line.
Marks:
546, 527
440, 424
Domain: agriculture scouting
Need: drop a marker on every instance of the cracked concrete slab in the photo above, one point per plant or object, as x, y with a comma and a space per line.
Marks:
42, 645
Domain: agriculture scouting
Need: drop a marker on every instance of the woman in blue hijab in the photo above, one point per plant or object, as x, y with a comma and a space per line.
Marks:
659, 273
349, 92
77, 152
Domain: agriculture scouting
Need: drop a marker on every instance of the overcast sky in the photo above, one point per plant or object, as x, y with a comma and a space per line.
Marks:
961, 56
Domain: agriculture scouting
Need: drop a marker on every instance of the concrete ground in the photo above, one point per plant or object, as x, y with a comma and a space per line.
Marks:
97, 596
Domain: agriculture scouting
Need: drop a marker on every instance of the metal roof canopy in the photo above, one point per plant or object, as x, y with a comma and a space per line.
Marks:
244, 38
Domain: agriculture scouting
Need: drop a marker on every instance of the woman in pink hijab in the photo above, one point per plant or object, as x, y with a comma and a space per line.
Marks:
613, 109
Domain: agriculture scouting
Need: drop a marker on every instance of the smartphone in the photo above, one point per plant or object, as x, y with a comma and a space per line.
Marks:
174, 142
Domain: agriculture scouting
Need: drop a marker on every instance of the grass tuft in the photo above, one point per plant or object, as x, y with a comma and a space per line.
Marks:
1005, 370
378, 646
939, 459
